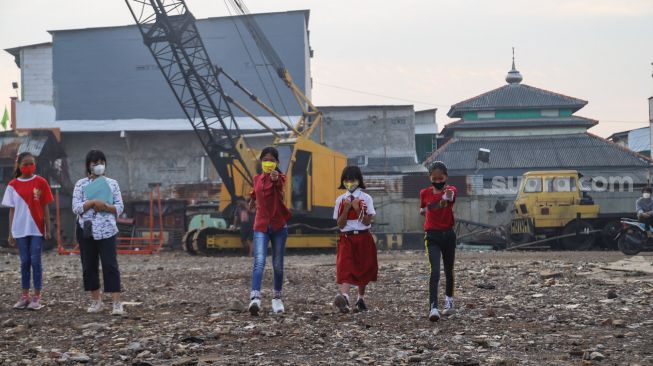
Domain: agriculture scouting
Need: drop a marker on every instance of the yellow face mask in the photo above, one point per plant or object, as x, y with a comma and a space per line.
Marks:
268, 166
351, 186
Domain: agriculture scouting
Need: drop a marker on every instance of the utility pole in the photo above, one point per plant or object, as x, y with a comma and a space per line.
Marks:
650, 125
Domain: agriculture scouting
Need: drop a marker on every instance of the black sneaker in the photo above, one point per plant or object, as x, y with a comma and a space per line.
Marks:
342, 303
360, 306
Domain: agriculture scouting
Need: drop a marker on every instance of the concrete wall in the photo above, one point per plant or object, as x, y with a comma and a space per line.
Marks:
36, 74
425, 121
108, 73
395, 214
372, 131
141, 158
34, 115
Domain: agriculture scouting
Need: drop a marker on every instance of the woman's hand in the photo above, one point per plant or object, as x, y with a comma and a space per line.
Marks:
252, 204
99, 206
448, 194
274, 175
11, 240
47, 235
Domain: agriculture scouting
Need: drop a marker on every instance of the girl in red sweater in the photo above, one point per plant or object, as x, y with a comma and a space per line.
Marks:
436, 203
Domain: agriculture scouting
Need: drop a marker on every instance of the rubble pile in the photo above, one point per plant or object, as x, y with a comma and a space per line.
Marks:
530, 308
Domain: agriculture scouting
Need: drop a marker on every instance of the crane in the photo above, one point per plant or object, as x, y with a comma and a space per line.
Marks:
170, 33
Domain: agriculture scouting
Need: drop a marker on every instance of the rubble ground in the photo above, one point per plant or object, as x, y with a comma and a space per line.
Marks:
514, 308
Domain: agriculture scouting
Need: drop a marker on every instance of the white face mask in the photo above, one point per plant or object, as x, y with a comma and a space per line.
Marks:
646, 195
98, 169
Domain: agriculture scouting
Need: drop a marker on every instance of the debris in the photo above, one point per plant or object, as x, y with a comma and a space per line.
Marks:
193, 313
486, 286
237, 306
550, 274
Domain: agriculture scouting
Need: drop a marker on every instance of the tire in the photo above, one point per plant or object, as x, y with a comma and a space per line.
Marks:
609, 232
199, 240
186, 242
577, 242
625, 244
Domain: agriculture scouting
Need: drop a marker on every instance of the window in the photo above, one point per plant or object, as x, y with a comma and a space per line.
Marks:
560, 184
564, 184
533, 185
486, 114
550, 113
285, 152
300, 172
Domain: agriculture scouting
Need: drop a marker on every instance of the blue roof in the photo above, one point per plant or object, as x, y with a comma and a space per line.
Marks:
516, 96
569, 151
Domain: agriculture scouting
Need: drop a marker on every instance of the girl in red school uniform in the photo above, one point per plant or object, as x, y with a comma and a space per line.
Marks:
436, 203
356, 262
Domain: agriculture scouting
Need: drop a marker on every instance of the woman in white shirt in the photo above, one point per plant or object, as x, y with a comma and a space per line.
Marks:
97, 202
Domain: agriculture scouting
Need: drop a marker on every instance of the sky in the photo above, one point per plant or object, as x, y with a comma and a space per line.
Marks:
429, 53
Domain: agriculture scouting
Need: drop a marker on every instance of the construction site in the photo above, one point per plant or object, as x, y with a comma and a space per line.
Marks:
553, 260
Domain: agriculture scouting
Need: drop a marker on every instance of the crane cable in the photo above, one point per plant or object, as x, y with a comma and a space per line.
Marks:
268, 53
266, 64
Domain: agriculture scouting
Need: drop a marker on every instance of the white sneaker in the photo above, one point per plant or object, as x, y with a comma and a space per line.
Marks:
22, 303
434, 315
277, 306
254, 306
35, 304
118, 309
448, 306
96, 306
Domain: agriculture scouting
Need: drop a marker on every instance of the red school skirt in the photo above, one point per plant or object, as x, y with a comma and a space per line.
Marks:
356, 259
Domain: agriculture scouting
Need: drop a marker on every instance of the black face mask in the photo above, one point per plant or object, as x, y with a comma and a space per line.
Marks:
439, 185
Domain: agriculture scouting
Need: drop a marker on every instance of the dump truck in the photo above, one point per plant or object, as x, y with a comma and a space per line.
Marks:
553, 205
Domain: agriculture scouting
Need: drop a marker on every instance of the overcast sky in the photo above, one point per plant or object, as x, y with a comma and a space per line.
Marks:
428, 53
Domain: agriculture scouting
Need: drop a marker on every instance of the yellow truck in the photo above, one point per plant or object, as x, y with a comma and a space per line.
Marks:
552, 204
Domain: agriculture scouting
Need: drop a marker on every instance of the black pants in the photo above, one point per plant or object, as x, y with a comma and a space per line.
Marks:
92, 252
440, 243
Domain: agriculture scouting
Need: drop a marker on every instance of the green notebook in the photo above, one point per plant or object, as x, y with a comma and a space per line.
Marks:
99, 190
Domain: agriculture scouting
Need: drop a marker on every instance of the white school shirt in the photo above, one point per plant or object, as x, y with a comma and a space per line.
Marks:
354, 225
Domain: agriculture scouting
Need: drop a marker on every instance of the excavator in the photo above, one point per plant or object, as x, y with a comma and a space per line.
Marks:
313, 170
